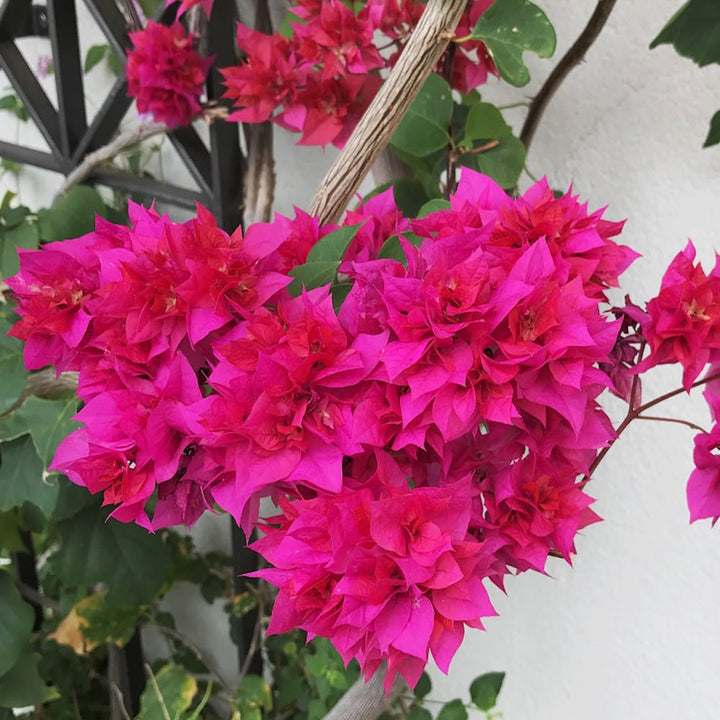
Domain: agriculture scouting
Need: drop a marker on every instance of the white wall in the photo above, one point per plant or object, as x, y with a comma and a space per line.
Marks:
633, 629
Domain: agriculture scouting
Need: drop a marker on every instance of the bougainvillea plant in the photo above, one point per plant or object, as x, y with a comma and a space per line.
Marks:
420, 395
425, 424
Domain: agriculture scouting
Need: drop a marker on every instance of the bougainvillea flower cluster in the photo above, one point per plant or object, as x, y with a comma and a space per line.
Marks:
425, 436
682, 325
166, 74
320, 79
316, 78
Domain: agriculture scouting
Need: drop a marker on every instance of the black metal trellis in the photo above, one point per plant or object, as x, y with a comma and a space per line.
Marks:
217, 171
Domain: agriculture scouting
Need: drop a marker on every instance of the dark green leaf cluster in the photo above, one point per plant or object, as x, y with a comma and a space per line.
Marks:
441, 134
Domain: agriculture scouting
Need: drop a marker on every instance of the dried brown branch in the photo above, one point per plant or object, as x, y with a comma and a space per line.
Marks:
366, 701
420, 56
122, 141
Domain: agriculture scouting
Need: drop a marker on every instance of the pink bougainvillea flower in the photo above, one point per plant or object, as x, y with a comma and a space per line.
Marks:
703, 488
682, 323
390, 577
166, 74
433, 434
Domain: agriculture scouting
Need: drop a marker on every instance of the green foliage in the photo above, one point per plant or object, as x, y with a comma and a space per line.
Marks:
423, 687
503, 163
168, 694
307, 679
13, 104
252, 697
140, 565
323, 260
484, 122
12, 368
16, 623
484, 690
694, 32
99, 53
419, 713
511, 27
17, 230
48, 421
23, 686
102, 622
454, 710
713, 137
21, 477
424, 129
94, 56
71, 215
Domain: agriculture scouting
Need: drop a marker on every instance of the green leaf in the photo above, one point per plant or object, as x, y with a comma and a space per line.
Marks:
424, 129
286, 29
104, 623
23, 686
169, 693
12, 367
252, 696
14, 216
423, 687
312, 275
9, 102
7, 199
94, 56
334, 245
485, 122
419, 713
694, 32
393, 250
150, 7
484, 690
115, 63
49, 422
16, 623
130, 562
72, 215
10, 166
254, 692
433, 206
323, 260
503, 163
454, 710
339, 293
26, 235
10, 526
410, 196
21, 477
509, 28
713, 137
72, 499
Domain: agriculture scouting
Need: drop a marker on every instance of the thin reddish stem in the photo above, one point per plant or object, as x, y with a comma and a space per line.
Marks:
633, 414
678, 421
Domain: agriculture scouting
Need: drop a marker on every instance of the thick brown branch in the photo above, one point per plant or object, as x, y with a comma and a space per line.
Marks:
377, 126
366, 701
572, 58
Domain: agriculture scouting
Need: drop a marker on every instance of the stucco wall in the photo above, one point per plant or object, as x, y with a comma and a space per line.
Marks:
632, 631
